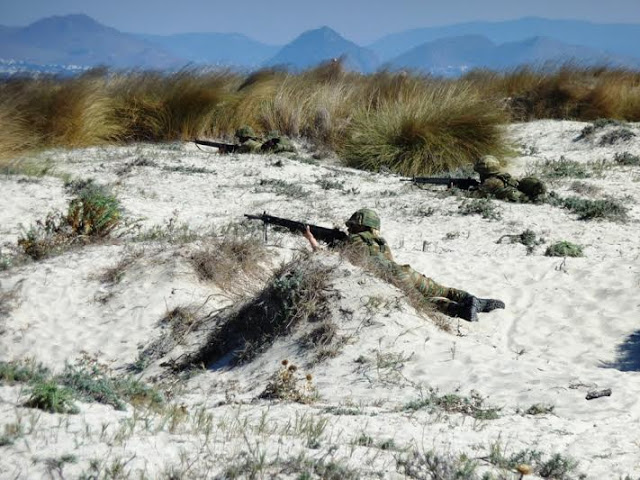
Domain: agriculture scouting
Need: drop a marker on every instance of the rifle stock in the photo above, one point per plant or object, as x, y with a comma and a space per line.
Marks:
461, 183
331, 236
222, 147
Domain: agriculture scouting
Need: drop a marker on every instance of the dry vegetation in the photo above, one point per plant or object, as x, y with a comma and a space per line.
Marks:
410, 123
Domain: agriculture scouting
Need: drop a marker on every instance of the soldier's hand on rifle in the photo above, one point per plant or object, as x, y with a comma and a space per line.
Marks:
312, 240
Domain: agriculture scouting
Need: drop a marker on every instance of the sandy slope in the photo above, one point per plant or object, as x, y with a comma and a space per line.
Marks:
568, 328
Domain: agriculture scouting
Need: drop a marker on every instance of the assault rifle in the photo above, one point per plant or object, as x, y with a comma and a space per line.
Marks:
461, 183
330, 236
222, 147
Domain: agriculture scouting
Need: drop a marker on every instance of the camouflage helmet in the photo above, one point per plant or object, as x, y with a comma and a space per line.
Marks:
364, 217
246, 132
487, 165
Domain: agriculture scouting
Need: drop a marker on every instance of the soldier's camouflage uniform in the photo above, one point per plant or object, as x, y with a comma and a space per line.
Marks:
379, 252
363, 238
498, 184
251, 143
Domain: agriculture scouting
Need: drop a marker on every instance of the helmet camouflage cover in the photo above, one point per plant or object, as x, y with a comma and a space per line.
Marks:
487, 165
245, 132
364, 217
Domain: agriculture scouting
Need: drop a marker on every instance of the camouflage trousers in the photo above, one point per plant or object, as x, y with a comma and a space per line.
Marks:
432, 291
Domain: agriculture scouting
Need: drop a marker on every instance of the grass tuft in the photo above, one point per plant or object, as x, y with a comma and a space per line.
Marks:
564, 249
436, 128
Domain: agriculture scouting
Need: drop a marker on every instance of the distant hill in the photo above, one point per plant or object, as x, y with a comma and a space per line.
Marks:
620, 39
80, 40
228, 49
316, 46
453, 56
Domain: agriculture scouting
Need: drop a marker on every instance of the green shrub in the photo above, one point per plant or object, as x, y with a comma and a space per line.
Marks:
588, 209
480, 206
50, 397
94, 212
26, 371
563, 168
564, 249
627, 159
91, 382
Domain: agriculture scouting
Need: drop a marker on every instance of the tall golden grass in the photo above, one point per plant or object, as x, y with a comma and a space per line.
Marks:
408, 122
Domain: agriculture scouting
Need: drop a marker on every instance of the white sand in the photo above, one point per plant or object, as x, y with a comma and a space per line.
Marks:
564, 331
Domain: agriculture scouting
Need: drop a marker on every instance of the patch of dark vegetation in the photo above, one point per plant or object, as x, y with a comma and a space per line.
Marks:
564, 249
588, 209
556, 467
49, 396
113, 275
480, 206
539, 409
92, 382
188, 169
584, 188
431, 466
473, 405
296, 294
627, 159
598, 124
24, 371
327, 184
86, 380
528, 238
283, 188
563, 168
92, 215
301, 467
616, 136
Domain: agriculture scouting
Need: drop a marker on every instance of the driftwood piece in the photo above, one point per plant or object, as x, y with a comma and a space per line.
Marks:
598, 393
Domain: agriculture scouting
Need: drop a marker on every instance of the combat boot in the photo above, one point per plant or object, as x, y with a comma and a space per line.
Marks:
489, 304
467, 309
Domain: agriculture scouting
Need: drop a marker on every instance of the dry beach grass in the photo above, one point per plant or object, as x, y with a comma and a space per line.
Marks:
176, 342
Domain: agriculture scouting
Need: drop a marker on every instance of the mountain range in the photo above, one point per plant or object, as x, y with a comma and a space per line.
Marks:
80, 41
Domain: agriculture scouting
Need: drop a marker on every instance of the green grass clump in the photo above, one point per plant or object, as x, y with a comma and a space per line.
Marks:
627, 159
436, 128
89, 382
50, 397
588, 209
26, 371
473, 405
564, 249
563, 168
93, 214
480, 206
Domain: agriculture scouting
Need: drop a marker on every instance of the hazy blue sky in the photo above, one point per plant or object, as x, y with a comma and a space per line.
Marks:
279, 21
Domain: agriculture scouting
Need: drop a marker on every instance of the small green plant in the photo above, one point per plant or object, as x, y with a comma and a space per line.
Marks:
480, 206
563, 168
283, 188
473, 405
91, 381
539, 409
627, 159
564, 249
50, 397
327, 184
94, 212
430, 465
616, 136
588, 209
25, 371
